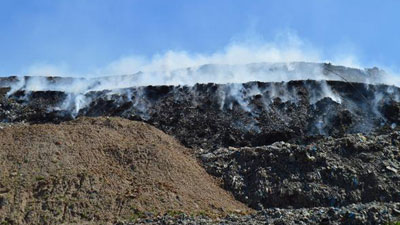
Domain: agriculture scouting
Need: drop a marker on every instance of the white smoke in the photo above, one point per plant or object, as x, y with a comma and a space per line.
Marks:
233, 54
238, 62
323, 91
187, 68
215, 73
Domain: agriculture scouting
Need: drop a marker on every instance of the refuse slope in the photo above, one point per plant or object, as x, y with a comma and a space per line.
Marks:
333, 172
222, 115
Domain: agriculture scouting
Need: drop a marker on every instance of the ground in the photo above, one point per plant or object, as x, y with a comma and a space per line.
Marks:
102, 170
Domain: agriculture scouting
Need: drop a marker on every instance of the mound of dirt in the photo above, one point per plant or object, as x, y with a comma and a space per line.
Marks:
101, 170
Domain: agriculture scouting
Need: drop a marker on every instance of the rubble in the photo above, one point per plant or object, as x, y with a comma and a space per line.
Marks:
333, 172
355, 214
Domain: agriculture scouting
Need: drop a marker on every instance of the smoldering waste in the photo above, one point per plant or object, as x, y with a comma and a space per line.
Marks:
297, 152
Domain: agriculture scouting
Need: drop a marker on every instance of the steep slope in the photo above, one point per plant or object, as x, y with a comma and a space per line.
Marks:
222, 115
100, 170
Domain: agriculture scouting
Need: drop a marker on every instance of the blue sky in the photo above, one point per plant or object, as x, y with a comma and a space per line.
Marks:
81, 36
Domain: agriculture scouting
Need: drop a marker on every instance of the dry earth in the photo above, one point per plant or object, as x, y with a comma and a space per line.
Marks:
101, 170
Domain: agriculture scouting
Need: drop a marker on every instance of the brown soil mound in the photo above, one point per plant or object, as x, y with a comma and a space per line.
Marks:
101, 170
